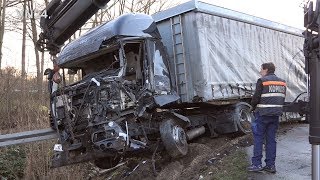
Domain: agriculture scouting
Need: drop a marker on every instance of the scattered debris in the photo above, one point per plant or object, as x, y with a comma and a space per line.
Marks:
135, 168
211, 161
98, 172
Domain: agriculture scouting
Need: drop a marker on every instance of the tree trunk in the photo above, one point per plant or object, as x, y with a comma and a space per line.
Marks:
23, 56
41, 68
24, 34
34, 39
2, 24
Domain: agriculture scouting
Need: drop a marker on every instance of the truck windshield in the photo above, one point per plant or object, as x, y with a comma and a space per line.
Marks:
106, 63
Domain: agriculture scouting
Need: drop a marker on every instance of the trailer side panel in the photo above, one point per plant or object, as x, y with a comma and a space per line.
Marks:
215, 57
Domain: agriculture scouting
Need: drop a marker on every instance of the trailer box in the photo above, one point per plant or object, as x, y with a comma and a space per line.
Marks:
216, 53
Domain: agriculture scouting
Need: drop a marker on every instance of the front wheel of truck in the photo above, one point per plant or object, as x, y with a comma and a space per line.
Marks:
174, 138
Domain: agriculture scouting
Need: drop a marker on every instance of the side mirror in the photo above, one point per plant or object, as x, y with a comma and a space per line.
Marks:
72, 71
47, 71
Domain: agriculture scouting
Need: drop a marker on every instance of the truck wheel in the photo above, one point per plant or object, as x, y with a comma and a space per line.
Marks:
243, 117
174, 138
107, 162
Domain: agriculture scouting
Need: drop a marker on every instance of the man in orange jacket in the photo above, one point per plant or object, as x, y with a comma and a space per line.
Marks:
267, 103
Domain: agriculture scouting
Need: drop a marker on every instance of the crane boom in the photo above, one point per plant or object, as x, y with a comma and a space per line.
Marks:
62, 19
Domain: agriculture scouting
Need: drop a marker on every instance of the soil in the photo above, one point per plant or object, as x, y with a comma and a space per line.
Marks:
203, 153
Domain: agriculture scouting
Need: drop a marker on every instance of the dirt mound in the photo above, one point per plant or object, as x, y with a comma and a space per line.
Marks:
171, 172
196, 160
185, 167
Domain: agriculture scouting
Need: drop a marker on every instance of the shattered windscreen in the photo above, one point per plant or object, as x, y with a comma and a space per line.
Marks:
161, 72
107, 63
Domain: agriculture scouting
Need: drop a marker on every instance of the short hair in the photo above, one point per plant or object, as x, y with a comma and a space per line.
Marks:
270, 66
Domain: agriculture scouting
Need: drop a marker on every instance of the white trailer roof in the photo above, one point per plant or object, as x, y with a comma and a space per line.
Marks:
196, 5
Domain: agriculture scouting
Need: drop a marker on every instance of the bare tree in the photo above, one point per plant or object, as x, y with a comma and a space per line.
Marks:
2, 24
24, 33
34, 35
141, 6
95, 21
3, 21
42, 53
122, 5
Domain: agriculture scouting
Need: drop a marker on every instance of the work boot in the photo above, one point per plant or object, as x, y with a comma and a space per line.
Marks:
270, 169
254, 168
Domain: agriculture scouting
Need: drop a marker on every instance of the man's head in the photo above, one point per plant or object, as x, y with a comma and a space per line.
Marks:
267, 68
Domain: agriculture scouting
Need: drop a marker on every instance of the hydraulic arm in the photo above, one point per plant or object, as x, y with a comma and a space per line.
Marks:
62, 19
312, 56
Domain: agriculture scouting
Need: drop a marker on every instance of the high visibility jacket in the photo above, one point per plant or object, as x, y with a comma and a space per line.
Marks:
272, 96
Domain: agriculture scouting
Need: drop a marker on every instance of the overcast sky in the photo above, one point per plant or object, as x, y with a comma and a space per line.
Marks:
288, 12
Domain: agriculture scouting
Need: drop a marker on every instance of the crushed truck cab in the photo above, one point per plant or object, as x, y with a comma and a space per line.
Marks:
125, 79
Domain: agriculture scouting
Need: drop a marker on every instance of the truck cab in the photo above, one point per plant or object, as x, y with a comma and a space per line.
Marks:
114, 108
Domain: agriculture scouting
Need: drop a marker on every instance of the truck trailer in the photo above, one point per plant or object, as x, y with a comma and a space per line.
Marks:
162, 80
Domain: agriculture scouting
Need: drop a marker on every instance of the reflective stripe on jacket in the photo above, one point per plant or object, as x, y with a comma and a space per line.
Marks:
272, 96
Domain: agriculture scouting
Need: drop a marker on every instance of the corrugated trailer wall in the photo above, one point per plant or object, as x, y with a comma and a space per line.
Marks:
215, 57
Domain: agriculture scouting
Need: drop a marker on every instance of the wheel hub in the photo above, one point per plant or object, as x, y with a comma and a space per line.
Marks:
245, 119
179, 135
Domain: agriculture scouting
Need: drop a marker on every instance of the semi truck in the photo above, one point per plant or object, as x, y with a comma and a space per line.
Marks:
163, 80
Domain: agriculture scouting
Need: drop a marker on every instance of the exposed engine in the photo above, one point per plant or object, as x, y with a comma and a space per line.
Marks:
96, 113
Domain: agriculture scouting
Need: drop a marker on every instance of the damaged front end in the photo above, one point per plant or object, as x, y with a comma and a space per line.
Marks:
115, 109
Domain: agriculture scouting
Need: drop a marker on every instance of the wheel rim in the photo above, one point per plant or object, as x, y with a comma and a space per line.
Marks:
179, 136
245, 120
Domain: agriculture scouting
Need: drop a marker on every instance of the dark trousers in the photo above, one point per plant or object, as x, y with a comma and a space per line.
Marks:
265, 127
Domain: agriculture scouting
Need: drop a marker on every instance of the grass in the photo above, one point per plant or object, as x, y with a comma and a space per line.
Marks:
22, 110
232, 167
12, 163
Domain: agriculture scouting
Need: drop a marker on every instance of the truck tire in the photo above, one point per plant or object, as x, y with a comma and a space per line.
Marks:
107, 162
243, 117
174, 138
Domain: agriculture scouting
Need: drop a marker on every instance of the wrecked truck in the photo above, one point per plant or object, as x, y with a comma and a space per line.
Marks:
146, 81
